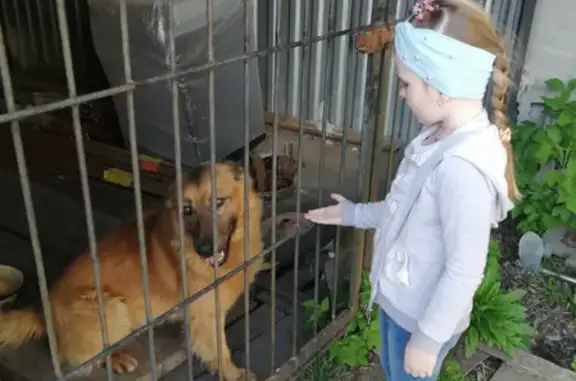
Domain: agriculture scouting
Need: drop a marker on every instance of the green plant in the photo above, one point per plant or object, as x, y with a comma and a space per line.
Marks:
497, 315
573, 365
451, 371
549, 154
320, 315
363, 333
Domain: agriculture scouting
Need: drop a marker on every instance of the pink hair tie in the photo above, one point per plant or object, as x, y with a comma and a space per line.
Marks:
423, 6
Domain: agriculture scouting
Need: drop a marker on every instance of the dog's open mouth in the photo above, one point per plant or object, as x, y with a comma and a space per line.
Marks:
217, 258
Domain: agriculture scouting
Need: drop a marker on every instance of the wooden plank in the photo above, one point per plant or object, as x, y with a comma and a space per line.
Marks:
532, 364
509, 373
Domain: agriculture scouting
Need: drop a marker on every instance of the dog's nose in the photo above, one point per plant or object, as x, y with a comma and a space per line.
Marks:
205, 248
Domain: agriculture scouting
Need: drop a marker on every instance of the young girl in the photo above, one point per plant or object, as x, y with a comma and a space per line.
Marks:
425, 276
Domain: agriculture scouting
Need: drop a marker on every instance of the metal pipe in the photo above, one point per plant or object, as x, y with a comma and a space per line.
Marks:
247, 33
276, 12
80, 152
179, 189
137, 187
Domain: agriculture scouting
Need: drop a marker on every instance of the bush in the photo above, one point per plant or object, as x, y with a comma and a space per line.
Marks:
548, 154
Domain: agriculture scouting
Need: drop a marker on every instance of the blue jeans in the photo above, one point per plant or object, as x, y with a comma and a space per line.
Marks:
394, 341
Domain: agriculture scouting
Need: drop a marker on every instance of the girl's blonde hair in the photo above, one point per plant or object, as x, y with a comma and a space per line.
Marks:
467, 22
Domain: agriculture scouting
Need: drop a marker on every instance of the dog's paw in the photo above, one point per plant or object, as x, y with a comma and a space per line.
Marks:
123, 362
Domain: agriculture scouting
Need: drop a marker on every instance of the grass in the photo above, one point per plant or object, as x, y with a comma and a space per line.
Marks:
322, 368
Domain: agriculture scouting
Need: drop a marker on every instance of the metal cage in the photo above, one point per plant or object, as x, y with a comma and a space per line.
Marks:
316, 87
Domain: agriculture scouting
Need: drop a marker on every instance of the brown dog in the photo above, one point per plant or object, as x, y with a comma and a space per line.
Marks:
74, 300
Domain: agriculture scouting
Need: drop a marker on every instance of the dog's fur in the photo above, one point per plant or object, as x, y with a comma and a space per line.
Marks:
74, 300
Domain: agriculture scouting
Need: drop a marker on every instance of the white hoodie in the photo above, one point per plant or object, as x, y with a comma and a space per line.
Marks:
427, 280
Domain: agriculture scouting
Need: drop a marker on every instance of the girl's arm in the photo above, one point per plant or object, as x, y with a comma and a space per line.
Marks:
363, 216
466, 203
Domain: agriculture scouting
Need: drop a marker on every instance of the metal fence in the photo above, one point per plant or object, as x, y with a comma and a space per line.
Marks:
311, 72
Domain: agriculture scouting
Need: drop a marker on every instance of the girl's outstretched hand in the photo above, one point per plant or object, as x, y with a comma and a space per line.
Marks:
329, 215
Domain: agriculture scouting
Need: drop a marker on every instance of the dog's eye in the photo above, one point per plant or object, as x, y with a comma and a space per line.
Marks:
188, 210
219, 202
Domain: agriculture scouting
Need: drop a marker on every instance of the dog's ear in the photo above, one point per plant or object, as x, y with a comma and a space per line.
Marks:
240, 173
236, 169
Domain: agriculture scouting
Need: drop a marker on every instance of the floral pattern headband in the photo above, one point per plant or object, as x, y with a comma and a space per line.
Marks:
421, 7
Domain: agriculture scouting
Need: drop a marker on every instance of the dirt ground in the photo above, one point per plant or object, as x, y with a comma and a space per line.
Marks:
550, 304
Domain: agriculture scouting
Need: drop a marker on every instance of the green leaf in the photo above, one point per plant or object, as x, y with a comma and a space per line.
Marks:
553, 131
472, 339
566, 118
572, 84
543, 152
555, 84
324, 305
554, 104
553, 177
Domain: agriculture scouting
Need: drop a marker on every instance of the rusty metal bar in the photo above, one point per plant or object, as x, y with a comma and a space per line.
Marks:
276, 17
179, 190
81, 155
212, 123
137, 187
77, 100
305, 54
343, 155
247, 31
28, 205
370, 149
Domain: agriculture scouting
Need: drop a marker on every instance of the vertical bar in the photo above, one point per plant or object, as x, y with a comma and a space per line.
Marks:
305, 12
22, 53
272, 58
137, 186
329, 64
384, 97
179, 188
212, 111
68, 64
294, 64
57, 50
247, 31
365, 14
343, 14
488, 6
33, 46
276, 10
316, 59
343, 153
43, 33
28, 205
80, 30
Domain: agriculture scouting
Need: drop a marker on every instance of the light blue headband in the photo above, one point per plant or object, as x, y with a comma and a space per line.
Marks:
454, 68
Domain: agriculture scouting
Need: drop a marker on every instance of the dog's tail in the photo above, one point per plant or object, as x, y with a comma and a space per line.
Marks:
18, 327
